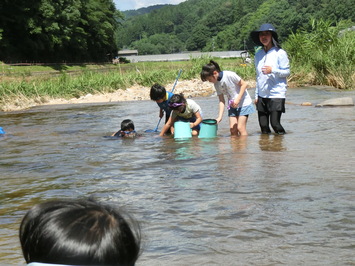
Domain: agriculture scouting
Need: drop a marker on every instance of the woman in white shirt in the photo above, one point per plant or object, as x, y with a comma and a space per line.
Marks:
272, 68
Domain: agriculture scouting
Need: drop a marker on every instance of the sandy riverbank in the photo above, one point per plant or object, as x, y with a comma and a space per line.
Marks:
190, 88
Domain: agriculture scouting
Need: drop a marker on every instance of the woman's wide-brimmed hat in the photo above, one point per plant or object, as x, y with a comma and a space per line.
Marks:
265, 27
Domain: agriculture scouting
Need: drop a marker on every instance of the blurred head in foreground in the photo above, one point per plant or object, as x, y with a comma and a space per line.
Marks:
79, 232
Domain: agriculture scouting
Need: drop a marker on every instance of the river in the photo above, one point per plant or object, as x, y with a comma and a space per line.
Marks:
259, 200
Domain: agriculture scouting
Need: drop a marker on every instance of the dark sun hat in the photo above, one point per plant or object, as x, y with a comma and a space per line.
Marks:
265, 27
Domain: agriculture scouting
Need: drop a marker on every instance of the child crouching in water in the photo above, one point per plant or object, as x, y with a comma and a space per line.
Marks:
240, 104
127, 130
183, 110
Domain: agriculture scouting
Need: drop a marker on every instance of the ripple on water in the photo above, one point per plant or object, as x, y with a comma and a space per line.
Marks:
260, 200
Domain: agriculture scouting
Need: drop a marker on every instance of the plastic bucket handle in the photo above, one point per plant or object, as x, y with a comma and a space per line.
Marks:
209, 121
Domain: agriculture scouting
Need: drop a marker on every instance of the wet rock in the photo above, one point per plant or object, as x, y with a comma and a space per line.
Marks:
345, 101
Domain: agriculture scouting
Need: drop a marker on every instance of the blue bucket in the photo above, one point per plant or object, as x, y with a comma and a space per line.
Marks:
2, 131
182, 130
208, 128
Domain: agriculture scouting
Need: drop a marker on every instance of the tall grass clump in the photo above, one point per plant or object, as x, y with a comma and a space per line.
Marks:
323, 54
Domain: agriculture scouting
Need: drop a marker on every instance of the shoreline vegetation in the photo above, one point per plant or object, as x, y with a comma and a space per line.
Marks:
23, 87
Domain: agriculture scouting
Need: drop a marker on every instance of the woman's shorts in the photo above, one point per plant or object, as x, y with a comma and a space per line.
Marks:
245, 110
267, 105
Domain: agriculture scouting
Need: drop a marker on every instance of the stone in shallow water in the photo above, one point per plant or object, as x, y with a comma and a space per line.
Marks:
345, 101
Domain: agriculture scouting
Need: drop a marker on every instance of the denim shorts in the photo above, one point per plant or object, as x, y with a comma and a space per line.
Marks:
245, 110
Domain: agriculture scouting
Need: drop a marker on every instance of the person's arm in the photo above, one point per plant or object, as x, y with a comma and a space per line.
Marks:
243, 86
221, 106
161, 113
198, 120
282, 69
166, 126
256, 94
117, 134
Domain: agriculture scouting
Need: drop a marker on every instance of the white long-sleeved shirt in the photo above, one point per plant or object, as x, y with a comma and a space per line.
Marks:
273, 85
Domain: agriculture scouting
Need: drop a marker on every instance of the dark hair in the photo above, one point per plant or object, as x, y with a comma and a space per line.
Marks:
177, 98
79, 232
208, 69
157, 92
127, 125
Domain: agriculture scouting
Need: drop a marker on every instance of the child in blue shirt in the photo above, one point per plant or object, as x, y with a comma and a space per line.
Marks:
159, 94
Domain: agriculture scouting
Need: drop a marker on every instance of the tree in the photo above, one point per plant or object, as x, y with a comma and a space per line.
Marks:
58, 30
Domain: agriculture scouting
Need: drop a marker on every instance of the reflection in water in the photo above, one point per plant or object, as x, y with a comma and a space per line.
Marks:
271, 142
269, 197
184, 149
238, 143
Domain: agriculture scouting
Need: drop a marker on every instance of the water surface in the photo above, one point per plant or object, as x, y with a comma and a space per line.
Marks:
259, 200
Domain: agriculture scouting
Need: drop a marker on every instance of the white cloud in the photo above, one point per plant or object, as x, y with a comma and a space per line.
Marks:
123, 5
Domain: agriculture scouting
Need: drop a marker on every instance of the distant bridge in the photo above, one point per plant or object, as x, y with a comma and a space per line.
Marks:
185, 56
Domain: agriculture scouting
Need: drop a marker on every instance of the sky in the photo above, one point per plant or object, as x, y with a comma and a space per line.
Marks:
124, 5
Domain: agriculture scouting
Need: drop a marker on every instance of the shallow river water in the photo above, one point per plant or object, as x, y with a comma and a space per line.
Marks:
259, 200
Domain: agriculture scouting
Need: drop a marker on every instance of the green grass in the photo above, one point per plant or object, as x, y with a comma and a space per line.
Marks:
322, 55
39, 83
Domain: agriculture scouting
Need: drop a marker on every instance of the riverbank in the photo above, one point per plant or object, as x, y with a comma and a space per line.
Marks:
26, 87
190, 88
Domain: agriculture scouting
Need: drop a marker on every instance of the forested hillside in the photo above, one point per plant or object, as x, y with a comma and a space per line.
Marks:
141, 11
69, 31
58, 30
215, 25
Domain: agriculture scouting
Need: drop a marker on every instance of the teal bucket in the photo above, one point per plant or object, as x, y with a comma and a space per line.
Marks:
208, 128
182, 130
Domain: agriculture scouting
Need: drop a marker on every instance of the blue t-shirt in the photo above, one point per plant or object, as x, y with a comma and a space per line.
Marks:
164, 105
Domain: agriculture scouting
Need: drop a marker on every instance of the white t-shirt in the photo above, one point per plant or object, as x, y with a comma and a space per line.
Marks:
191, 108
228, 86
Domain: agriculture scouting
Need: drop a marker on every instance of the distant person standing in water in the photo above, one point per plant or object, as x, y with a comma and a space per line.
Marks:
240, 104
272, 68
